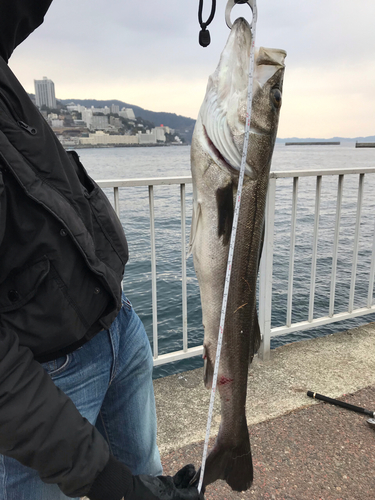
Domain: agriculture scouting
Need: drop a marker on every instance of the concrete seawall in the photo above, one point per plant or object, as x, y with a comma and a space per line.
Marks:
365, 144
313, 143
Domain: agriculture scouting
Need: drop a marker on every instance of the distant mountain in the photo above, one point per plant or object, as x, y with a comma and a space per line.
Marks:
183, 125
370, 138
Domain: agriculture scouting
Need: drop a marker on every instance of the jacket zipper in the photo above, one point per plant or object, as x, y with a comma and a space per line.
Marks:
31, 130
20, 123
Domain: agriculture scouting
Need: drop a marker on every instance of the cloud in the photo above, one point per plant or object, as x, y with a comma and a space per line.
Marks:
147, 53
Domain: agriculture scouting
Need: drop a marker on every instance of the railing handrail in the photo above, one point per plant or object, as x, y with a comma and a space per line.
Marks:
274, 174
144, 181
278, 174
265, 288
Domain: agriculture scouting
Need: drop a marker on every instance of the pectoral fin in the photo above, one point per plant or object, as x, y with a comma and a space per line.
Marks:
208, 369
224, 200
195, 219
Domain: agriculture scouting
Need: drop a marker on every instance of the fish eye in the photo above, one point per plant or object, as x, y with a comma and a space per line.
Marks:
276, 97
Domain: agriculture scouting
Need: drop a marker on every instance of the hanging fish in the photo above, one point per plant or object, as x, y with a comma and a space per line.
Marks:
216, 153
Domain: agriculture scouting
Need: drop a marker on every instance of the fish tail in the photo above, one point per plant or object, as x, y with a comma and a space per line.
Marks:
233, 464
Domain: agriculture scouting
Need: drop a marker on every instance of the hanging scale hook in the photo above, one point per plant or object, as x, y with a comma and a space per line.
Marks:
232, 3
204, 35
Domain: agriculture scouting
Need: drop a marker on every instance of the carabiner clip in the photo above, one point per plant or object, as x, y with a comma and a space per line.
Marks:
232, 3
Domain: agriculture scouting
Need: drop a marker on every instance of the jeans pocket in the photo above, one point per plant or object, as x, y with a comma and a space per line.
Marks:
126, 302
57, 366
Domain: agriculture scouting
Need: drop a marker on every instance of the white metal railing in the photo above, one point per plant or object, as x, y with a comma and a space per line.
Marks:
151, 182
266, 266
265, 284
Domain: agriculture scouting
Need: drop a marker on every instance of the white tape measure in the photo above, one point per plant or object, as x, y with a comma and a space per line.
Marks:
253, 6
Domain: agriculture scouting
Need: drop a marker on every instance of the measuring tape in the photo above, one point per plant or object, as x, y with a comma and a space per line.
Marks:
252, 4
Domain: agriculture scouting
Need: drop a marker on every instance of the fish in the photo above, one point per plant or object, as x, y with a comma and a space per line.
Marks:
216, 153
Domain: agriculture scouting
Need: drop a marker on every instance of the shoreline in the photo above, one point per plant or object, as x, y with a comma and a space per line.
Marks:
98, 146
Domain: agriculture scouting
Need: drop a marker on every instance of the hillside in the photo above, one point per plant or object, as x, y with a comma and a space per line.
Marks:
183, 125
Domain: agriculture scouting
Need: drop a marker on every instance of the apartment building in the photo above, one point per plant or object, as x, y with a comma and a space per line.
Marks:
45, 93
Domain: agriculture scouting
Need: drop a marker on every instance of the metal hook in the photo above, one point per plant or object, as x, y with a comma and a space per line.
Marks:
232, 3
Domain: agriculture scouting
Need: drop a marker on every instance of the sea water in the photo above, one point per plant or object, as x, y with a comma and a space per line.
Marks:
127, 163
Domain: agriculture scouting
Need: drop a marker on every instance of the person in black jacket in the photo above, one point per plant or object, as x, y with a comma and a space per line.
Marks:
77, 409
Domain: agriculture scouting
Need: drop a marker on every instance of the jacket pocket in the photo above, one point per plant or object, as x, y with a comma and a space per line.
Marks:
35, 304
20, 287
107, 228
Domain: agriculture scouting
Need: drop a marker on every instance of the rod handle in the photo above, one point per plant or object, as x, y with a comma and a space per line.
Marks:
336, 402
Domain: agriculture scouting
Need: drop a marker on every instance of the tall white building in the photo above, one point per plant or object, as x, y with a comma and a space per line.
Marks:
127, 113
45, 93
99, 123
160, 134
87, 115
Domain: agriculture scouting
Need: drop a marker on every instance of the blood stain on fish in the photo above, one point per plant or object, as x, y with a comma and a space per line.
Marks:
224, 380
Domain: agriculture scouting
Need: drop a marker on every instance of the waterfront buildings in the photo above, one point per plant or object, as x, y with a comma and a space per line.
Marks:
160, 134
127, 113
115, 122
99, 122
99, 138
97, 118
147, 138
76, 125
76, 107
45, 93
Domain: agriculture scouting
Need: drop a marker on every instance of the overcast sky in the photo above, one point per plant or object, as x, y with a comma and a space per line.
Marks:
147, 53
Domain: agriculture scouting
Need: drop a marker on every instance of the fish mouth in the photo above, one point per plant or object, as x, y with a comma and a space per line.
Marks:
222, 112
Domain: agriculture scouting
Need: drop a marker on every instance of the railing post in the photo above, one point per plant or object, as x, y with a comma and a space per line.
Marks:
183, 270
292, 252
117, 200
336, 245
153, 272
372, 273
315, 246
265, 278
356, 242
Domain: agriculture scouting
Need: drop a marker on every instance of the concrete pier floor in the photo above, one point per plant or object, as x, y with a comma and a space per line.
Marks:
302, 449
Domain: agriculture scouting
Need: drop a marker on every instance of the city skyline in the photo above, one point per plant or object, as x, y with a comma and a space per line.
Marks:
148, 55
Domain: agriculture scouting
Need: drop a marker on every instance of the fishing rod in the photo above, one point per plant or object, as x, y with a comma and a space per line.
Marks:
336, 402
230, 5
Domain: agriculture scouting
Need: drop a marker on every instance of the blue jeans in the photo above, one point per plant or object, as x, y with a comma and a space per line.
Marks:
109, 380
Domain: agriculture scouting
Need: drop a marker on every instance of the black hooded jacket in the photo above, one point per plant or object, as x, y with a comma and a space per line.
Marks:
62, 258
